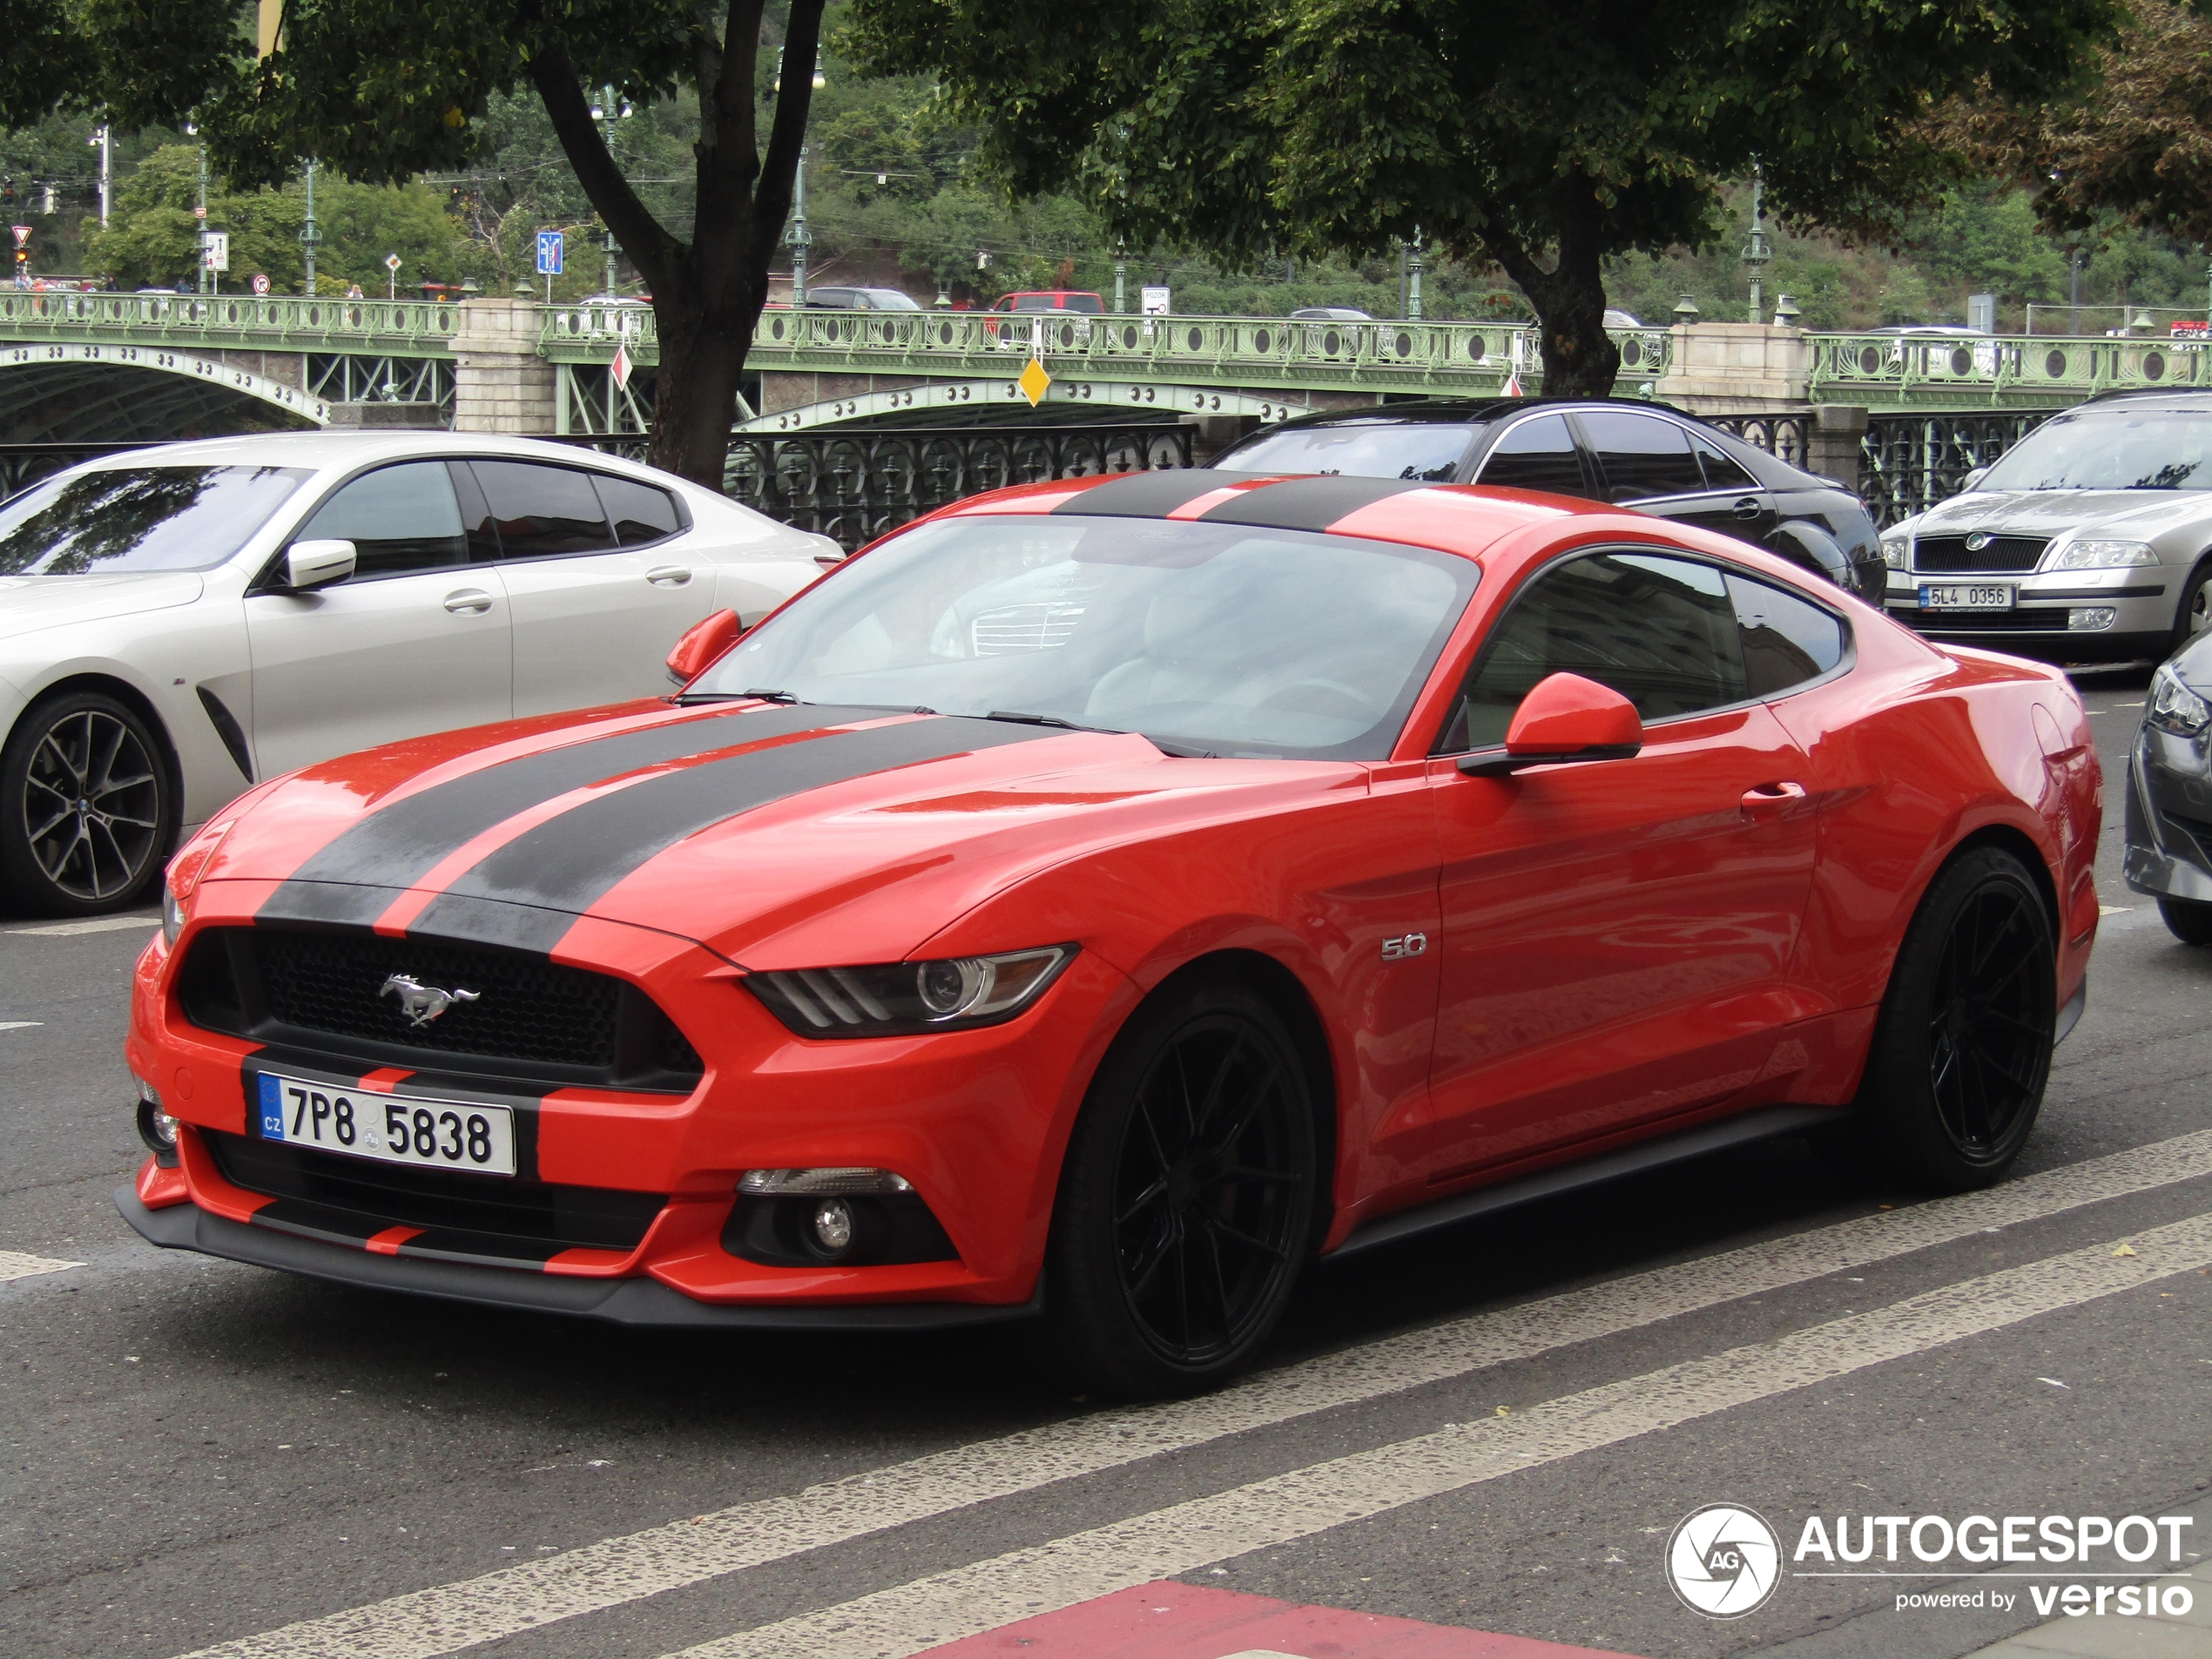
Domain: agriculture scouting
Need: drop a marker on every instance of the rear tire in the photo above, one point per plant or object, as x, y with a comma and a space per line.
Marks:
1187, 1200
87, 810
1962, 1051
2188, 920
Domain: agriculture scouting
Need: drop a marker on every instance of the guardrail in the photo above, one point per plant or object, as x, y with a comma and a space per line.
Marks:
413, 327
1910, 462
1905, 368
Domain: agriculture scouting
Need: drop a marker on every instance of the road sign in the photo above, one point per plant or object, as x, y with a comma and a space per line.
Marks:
548, 253
391, 261
1154, 300
260, 283
215, 250
23, 234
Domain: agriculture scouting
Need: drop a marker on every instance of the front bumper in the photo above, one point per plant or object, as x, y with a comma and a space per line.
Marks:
641, 1302
2169, 817
2042, 623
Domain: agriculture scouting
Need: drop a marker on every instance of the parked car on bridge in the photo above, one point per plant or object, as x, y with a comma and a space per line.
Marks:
2089, 542
1631, 453
1330, 313
180, 622
1106, 895
841, 298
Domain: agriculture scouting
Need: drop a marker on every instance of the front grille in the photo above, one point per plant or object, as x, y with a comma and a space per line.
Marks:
1950, 555
2051, 621
362, 1198
324, 991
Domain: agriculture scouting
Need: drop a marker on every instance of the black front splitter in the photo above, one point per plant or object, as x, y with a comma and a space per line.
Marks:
636, 1302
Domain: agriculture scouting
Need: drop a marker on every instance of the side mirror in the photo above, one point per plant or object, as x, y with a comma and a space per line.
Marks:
702, 642
308, 565
1565, 717
1973, 480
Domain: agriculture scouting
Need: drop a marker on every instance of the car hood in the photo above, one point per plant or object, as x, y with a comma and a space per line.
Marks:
29, 602
776, 837
2137, 513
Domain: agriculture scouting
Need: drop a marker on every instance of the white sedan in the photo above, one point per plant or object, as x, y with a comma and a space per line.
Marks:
178, 623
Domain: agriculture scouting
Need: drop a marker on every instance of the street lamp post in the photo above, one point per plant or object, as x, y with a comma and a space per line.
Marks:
200, 214
1121, 276
608, 111
310, 237
101, 142
1413, 278
799, 239
1757, 251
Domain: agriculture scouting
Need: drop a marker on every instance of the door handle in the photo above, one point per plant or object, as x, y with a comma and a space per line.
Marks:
1766, 800
668, 575
1749, 507
471, 600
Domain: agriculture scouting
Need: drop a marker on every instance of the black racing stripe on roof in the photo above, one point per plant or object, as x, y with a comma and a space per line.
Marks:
1145, 495
543, 879
1305, 503
354, 878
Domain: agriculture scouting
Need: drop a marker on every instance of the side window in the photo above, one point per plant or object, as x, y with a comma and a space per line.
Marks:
400, 519
1720, 471
1641, 455
1538, 454
1787, 640
542, 511
639, 512
1661, 631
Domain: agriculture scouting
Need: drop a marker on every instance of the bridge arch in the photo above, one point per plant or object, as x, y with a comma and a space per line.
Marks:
87, 394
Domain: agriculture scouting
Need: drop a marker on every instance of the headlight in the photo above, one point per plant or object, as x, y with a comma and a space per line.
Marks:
1897, 550
2176, 708
2100, 556
172, 913
899, 999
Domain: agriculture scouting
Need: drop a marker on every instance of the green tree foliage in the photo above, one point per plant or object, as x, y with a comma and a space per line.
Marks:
1543, 136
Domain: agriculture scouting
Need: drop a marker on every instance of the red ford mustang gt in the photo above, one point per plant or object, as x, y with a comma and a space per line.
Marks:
1105, 895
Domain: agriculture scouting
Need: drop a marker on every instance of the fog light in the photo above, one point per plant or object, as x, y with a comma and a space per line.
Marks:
834, 1226
2089, 619
156, 1128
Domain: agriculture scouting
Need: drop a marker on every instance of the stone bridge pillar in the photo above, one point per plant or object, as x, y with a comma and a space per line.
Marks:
1737, 368
500, 383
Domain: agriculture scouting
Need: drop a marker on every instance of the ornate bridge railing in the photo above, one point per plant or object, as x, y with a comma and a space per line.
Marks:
24, 464
1910, 461
1950, 370
407, 328
1785, 433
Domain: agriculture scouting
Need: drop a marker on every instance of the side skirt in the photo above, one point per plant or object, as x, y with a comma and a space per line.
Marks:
1764, 1124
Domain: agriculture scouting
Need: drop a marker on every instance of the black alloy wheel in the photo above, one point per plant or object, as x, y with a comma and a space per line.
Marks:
86, 808
1963, 1048
1187, 1202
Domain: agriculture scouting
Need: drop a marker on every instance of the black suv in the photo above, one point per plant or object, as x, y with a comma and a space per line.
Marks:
1655, 459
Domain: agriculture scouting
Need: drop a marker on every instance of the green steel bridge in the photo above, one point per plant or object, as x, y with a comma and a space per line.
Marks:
88, 367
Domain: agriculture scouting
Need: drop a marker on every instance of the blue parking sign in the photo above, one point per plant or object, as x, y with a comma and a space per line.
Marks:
549, 252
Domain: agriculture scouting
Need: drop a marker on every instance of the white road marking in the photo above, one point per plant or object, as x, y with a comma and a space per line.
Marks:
99, 925
929, 1612
15, 1265
19, 1025
446, 1618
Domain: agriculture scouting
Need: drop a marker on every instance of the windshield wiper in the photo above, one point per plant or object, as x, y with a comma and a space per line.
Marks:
1016, 717
685, 700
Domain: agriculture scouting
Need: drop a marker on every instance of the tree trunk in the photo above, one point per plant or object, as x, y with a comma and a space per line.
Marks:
707, 293
1580, 360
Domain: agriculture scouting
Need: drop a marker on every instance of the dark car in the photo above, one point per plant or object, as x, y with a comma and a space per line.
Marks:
1639, 455
2169, 795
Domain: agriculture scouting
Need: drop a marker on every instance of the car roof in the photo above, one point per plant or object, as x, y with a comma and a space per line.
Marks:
326, 451
1445, 410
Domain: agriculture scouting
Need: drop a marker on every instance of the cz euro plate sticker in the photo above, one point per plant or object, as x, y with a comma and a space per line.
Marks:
439, 1133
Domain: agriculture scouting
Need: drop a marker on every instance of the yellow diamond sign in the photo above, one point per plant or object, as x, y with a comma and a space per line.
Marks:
1034, 381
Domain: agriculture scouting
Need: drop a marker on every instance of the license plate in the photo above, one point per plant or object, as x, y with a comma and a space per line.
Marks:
1990, 596
438, 1134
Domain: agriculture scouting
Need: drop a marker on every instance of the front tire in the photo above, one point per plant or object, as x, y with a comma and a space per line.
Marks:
1187, 1200
1963, 1048
2188, 920
2193, 615
87, 811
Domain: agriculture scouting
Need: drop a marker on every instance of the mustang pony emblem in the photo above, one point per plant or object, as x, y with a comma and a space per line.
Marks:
423, 1003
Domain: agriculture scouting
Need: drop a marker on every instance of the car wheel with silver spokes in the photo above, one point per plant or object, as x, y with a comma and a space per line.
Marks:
1187, 1201
2193, 615
87, 811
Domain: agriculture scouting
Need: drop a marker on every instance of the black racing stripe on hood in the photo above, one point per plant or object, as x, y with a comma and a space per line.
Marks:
1145, 495
1305, 503
352, 878
548, 875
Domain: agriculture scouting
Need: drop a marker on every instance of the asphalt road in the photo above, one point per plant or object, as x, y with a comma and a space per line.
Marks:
199, 1452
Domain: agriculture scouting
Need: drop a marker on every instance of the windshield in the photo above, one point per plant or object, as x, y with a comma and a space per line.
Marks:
1215, 639
1428, 450
2108, 450
139, 518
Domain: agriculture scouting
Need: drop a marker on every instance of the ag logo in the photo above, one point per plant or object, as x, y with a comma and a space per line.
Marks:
1724, 1562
